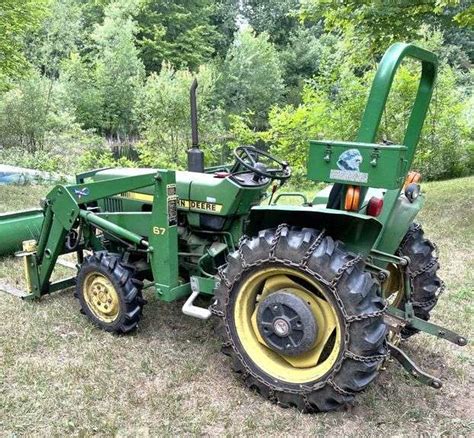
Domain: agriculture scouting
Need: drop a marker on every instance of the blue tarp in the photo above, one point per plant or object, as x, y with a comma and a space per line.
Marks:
22, 175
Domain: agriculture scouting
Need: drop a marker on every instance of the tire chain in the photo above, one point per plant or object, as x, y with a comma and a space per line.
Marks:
313, 247
427, 267
304, 389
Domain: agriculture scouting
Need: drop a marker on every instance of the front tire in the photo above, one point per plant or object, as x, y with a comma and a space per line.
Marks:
108, 293
346, 305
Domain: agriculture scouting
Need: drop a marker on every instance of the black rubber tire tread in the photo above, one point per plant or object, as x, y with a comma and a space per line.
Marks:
426, 285
359, 292
127, 286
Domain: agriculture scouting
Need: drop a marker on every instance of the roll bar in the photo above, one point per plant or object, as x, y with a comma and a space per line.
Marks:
381, 88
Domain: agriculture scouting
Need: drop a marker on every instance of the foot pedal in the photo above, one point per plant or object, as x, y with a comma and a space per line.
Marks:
413, 369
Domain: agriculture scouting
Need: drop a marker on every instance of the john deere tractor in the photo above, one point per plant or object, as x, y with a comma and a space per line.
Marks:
309, 299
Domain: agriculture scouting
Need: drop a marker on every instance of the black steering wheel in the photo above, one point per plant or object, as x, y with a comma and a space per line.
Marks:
249, 156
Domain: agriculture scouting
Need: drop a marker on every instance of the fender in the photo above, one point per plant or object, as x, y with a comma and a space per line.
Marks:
397, 223
358, 232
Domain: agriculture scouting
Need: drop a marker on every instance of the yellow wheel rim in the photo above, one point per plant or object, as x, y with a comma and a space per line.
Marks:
394, 287
394, 291
101, 297
308, 366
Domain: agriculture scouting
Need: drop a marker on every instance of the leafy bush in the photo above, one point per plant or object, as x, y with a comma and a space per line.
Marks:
102, 87
335, 111
26, 114
100, 156
37, 129
164, 114
251, 80
443, 149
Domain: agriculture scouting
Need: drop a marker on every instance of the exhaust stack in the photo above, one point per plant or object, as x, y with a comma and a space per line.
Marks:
195, 155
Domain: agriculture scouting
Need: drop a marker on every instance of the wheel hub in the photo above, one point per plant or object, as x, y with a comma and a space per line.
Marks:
286, 323
281, 327
101, 297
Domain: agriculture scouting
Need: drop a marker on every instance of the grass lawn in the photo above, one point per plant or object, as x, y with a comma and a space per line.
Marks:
62, 376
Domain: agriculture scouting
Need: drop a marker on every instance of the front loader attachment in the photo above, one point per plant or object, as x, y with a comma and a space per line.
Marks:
18, 227
71, 222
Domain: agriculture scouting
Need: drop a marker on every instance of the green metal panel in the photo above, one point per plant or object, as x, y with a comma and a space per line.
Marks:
17, 227
136, 222
362, 164
164, 237
197, 193
54, 246
359, 232
398, 222
92, 191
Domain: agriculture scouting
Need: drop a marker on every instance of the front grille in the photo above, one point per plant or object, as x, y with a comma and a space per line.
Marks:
113, 204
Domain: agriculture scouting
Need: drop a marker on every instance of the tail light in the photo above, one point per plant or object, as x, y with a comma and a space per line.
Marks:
375, 206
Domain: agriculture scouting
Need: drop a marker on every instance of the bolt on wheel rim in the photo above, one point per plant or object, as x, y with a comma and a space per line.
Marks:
394, 287
309, 365
393, 291
101, 297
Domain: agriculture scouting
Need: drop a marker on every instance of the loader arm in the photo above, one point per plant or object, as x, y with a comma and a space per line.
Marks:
66, 208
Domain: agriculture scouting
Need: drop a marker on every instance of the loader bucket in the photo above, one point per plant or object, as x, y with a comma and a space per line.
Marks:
17, 227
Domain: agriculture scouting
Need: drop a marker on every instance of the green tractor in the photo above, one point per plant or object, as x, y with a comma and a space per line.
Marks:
309, 299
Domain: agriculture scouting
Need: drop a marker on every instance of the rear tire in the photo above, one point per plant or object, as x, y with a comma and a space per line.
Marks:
423, 268
108, 293
316, 263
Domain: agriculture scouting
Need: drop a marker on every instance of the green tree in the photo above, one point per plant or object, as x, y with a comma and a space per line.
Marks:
251, 79
102, 85
119, 73
278, 18
17, 18
305, 57
179, 32
60, 35
83, 93
164, 113
224, 18
373, 26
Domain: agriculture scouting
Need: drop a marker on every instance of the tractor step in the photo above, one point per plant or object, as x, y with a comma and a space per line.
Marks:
189, 308
413, 369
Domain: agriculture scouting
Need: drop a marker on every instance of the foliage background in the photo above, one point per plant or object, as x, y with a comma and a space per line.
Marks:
88, 83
